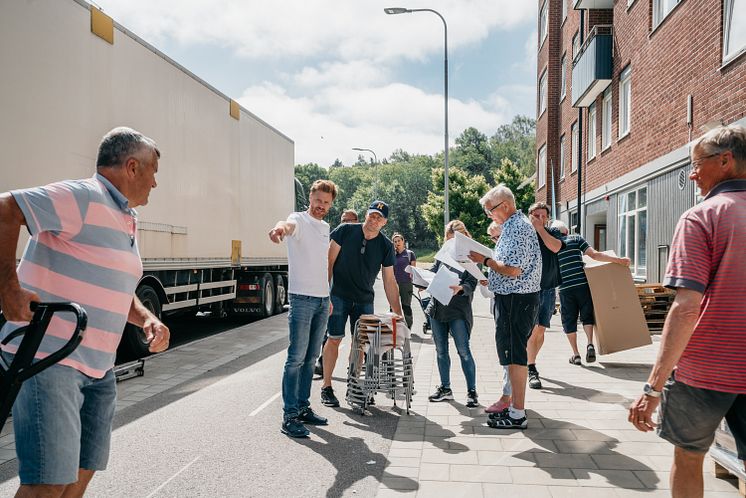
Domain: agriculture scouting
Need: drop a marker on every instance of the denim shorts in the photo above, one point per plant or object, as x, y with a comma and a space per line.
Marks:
62, 421
344, 309
691, 415
547, 301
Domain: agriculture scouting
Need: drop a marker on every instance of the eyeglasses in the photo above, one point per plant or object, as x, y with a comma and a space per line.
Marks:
362, 249
696, 162
489, 211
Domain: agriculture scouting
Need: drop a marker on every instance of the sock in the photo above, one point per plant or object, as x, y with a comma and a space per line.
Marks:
532, 367
516, 414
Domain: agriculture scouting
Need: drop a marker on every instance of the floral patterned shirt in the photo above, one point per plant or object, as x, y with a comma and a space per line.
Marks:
518, 246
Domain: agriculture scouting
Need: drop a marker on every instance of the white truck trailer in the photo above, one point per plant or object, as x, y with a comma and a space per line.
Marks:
68, 74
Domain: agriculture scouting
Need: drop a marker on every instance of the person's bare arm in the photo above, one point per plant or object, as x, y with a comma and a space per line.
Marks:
677, 330
14, 300
156, 333
281, 230
334, 249
599, 256
392, 290
496, 266
552, 243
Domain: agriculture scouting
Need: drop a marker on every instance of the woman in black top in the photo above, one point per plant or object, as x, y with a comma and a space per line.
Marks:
457, 318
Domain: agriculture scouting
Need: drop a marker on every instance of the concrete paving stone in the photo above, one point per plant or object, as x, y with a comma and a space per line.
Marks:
478, 443
527, 445
587, 447
432, 430
384, 492
632, 435
662, 463
406, 445
436, 489
546, 477
411, 472
440, 456
641, 449
661, 480
434, 472
642, 493
7, 454
404, 461
574, 492
403, 483
608, 478
407, 437
564, 460
621, 462
516, 491
480, 473
506, 458
410, 429
406, 453
553, 434
591, 435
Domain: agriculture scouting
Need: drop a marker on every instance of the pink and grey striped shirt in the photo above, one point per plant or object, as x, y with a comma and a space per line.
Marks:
83, 249
708, 257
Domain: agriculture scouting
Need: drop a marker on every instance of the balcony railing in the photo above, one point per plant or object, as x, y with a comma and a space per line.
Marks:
593, 4
592, 66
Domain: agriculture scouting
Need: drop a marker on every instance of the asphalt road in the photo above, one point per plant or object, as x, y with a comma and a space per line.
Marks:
218, 436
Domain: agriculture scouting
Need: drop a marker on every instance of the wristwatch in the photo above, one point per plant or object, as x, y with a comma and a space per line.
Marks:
648, 390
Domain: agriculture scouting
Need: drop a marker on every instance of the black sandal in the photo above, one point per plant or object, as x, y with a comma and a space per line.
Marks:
575, 360
590, 355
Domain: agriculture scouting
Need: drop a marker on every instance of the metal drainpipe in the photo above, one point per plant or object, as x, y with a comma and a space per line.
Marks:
580, 135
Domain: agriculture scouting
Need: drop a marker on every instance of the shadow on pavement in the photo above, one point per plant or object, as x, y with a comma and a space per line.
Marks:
584, 393
626, 371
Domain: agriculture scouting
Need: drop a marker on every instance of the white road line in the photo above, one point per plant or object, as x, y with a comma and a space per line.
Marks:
265, 404
172, 478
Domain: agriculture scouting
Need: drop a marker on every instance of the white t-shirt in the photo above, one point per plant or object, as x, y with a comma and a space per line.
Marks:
308, 256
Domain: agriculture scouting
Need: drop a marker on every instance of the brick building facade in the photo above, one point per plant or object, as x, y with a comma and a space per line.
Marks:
644, 78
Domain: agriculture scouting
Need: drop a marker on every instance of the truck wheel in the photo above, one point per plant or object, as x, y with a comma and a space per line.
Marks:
134, 337
281, 294
268, 295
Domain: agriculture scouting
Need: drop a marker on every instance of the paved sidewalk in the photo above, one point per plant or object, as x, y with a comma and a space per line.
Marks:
578, 443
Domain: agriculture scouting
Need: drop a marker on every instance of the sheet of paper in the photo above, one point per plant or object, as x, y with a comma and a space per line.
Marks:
420, 276
446, 258
474, 270
485, 292
446, 249
440, 288
464, 245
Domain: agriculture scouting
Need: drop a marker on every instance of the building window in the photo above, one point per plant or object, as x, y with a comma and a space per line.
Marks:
563, 76
564, 9
734, 29
606, 120
543, 93
541, 166
575, 147
592, 131
562, 157
633, 224
661, 9
625, 101
575, 45
543, 22
574, 222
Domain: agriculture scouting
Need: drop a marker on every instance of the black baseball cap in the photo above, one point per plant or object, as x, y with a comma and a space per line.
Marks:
379, 207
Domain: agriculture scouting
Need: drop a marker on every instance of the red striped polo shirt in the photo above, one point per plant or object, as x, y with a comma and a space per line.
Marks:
82, 249
709, 256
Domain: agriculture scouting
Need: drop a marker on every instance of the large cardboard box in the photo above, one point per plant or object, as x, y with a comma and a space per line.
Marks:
620, 322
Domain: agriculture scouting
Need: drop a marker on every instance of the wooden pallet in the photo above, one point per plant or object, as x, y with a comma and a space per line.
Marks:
655, 301
727, 466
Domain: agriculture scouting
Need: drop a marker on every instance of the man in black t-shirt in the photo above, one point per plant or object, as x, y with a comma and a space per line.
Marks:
357, 252
550, 244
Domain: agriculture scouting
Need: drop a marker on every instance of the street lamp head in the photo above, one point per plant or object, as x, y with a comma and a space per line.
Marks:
358, 148
396, 10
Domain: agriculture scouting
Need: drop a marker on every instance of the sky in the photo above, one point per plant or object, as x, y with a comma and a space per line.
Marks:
338, 74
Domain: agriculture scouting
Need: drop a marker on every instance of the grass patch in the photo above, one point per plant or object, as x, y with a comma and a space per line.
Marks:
426, 255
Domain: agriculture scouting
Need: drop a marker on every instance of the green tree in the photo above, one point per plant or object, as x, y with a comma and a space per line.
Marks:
306, 174
465, 190
473, 154
517, 142
509, 174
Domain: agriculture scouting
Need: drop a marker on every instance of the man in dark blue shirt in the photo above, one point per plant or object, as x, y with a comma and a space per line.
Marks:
357, 252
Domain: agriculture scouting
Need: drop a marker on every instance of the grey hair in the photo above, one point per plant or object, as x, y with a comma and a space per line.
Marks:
497, 194
561, 226
726, 138
120, 144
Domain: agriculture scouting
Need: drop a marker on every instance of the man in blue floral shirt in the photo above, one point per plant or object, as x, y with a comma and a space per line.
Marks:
515, 279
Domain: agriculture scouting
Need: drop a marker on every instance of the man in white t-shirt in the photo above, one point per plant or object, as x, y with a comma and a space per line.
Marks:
308, 288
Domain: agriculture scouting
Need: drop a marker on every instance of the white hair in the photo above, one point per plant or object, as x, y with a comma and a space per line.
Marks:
561, 226
497, 194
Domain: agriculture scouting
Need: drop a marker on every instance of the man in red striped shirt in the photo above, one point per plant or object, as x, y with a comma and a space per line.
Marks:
704, 335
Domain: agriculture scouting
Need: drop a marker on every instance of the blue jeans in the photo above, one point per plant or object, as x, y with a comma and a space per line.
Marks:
306, 325
460, 332
62, 421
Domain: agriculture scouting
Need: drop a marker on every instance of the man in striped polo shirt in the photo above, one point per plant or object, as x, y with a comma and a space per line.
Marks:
83, 248
575, 294
704, 336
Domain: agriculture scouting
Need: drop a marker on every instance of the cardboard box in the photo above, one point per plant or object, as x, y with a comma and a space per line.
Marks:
620, 322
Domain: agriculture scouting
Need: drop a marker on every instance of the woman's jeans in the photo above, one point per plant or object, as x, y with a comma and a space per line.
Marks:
460, 331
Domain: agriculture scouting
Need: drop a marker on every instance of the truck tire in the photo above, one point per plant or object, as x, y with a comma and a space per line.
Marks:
134, 337
281, 294
268, 296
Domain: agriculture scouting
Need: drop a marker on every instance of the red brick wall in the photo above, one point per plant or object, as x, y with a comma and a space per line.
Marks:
682, 56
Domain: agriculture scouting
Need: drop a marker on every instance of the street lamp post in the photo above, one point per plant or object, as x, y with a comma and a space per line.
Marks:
400, 10
375, 161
